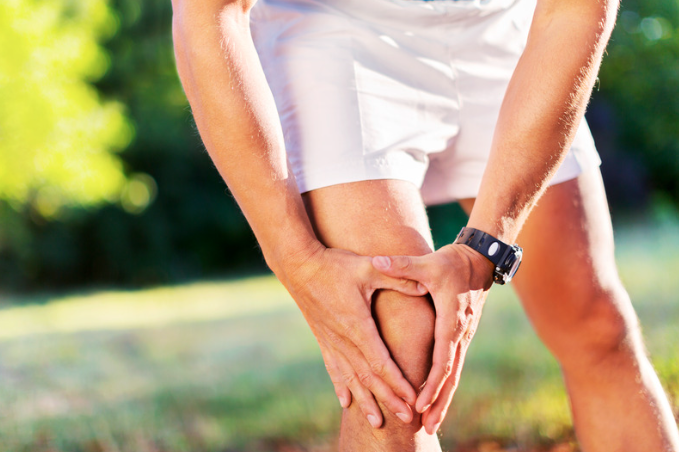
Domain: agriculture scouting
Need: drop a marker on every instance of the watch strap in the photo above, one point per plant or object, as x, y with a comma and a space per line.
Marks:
493, 249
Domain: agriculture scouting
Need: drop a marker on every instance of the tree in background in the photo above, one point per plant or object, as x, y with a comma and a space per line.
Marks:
57, 137
172, 219
157, 210
640, 82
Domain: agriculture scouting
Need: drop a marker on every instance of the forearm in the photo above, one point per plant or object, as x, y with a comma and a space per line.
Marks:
543, 106
237, 120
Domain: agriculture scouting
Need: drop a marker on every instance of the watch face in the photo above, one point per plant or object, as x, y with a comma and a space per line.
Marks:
510, 265
515, 268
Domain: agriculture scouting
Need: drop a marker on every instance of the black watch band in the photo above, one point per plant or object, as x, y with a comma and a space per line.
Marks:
492, 248
506, 258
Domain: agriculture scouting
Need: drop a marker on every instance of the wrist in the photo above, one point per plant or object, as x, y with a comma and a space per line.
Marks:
504, 257
289, 259
482, 268
505, 228
468, 264
293, 254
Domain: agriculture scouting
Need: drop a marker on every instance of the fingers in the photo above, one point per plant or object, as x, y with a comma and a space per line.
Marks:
374, 279
402, 285
379, 361
367, 369
432, 419
446, 340
361, 394
341, 390
363, 375
408, 267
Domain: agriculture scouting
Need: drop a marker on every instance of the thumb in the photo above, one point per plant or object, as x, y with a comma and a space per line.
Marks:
406, 267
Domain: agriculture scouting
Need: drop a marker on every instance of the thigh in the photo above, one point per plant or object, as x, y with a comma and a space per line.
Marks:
371, 217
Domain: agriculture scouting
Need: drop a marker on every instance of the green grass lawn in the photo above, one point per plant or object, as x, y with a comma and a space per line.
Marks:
231, 366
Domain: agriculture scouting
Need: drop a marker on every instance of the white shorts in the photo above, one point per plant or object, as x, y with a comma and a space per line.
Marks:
396, 89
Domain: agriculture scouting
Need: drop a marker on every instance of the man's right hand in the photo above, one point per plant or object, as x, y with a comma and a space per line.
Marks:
333, 288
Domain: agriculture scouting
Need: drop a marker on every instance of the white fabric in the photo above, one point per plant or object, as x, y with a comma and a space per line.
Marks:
395, 89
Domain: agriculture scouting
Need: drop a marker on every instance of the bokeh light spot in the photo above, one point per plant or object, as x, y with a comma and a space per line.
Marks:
651, 28
629, 20
48, 202
139, 192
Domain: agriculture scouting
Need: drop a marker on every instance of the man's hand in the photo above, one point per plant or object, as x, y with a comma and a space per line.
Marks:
458, 279
333, 289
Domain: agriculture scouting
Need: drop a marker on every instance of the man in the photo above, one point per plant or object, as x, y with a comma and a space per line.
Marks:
377, 99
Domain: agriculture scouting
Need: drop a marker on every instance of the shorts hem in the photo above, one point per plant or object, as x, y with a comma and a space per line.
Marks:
397, 166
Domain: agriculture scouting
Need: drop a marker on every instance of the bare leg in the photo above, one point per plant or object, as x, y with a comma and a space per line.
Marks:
383, 217
569, 287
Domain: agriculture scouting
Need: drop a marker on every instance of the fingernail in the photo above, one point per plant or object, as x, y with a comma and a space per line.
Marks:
373, 420
436, 427
425, 408
382, 262
421, 287
343, 401
404, 417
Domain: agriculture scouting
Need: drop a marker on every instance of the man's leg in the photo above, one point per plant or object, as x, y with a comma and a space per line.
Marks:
569, 287
383, 217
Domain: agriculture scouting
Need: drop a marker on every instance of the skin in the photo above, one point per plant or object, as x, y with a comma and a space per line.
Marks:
543, 105
237, 119
581, 312
319, 254
369, 218
584, 316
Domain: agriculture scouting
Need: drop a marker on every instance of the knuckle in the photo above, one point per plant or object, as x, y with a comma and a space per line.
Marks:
378, 368
402, 262
366, 379
470, 333
448, 369
333, 338
349, 378
469, 311
347, 330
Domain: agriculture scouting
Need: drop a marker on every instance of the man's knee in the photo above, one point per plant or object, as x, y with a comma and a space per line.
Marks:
604, 326
407, 326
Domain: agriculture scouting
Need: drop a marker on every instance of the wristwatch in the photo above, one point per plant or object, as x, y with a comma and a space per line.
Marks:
506, 258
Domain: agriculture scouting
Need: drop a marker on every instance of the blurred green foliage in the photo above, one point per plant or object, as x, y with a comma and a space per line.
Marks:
639, 79
172, 218
77, 208
56, 135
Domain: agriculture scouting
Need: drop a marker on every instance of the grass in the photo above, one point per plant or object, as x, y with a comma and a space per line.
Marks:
231, 366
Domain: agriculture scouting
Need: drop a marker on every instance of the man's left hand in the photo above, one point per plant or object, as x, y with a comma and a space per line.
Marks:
458, 279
